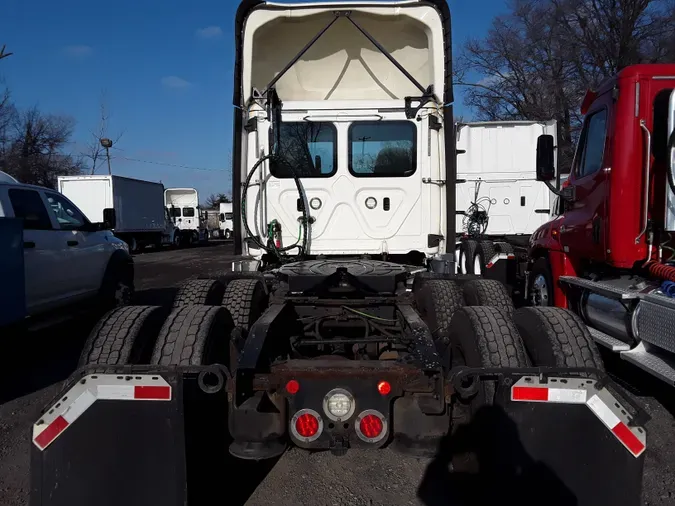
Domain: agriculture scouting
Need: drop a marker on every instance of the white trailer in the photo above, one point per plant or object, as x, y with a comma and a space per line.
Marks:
138, 204
226, 219
498, 196
182, 205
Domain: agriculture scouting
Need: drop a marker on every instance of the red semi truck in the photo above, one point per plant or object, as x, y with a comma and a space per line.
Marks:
609, 254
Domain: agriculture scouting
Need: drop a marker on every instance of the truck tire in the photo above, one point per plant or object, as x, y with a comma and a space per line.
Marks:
194, 335
485, 251
486, 337
467, 251
205, 292
437, 300
488, 292
246, 300
228, 234
125, 335
481, 337
556, 337
540, 291
504, 247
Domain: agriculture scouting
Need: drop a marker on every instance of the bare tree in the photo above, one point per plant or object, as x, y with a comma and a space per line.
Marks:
537, 61
3, 54
36, 154
7, 116
95, 153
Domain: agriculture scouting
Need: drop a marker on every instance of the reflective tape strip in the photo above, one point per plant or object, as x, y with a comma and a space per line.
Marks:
576, 391
90, 389
497, 258
543, 394
622, 432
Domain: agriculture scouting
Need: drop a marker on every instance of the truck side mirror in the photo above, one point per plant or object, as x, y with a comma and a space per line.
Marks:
109, 218
222, 217
545, 158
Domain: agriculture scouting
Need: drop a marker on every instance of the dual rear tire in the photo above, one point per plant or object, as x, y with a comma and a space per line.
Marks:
477, 325
196, 331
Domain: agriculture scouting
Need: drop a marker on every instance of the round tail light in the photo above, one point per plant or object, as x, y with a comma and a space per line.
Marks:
371, 426
307, 425
384, 387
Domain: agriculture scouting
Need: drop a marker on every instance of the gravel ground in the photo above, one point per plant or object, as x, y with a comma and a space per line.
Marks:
358, 478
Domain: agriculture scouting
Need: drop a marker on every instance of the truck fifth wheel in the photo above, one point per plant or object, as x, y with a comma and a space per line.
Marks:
344, 324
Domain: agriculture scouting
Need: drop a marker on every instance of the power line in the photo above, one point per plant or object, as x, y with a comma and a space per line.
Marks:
189, 167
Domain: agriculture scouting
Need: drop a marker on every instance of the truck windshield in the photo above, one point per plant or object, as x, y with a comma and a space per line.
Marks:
189, 212
174, 212
306, 149
385, 149
229, 216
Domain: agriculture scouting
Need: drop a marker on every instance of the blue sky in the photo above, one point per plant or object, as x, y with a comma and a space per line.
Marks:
166, 68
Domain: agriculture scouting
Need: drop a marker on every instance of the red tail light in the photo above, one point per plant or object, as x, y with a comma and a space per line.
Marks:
292, 387
384, 387
371, 426
307, 425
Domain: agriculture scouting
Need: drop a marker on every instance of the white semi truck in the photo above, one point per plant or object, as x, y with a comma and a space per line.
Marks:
226, 219
345, 325
139, 206
498, 196
182, 205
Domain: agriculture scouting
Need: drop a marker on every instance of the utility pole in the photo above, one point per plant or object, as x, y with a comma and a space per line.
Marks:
107, 144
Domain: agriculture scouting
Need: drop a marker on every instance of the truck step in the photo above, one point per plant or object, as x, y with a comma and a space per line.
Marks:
652, 360
656, 321
607, 341
605, 289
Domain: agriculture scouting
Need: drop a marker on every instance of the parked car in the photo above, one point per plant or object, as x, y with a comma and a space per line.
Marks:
67, 258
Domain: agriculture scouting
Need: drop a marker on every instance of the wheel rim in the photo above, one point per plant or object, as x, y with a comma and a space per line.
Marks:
476, 265
539, 291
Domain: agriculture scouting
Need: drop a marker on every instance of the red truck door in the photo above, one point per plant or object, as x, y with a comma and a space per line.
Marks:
583, 229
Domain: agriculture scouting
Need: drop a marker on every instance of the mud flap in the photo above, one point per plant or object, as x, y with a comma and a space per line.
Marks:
564, 441
112, 440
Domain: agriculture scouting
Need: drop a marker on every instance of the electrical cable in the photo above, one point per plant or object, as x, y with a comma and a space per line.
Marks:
272, 249
476, 218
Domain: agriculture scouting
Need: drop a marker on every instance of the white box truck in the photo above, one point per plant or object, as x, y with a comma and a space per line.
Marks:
500, 203
139, 206
226, 218
182, 205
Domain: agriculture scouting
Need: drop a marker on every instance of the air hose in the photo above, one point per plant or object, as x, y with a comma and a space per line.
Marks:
271, 247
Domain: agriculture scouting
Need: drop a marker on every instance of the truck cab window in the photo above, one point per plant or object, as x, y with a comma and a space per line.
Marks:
68, 216
384, 149
229, 216
593, 148
189, 212
305, 149
174, 212
27, 204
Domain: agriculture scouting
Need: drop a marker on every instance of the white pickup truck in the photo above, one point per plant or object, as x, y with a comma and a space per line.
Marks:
67, 259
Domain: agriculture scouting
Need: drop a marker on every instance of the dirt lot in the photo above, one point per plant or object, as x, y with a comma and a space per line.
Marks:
33, 370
